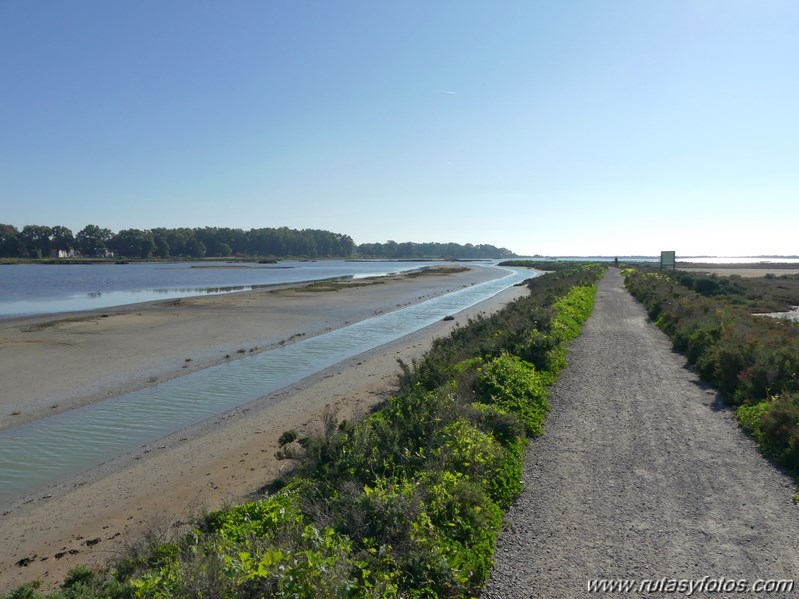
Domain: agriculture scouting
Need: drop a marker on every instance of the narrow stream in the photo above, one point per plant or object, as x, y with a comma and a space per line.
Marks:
36, 455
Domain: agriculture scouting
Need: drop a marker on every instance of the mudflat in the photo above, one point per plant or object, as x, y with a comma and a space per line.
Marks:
51, 364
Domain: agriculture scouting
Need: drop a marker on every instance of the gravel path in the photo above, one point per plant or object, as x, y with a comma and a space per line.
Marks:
642, 474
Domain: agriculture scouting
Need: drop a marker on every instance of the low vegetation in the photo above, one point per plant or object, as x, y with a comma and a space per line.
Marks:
769, 293
753, 360
454, 251
542, 264
407, 502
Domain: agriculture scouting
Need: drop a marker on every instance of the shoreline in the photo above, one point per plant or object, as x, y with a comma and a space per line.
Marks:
53, 363
226, 458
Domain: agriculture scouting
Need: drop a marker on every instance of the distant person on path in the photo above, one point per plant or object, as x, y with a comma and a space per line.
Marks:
616, 262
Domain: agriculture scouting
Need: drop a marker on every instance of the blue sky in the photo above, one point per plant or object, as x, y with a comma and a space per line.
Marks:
574, 127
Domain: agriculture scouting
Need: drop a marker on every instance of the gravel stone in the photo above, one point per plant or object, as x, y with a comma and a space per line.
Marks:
642, 474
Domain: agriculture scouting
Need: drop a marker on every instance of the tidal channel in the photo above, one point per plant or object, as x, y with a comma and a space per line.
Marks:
45, 452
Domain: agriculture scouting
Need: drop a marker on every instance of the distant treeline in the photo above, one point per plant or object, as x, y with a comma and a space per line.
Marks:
392, 249
37, 241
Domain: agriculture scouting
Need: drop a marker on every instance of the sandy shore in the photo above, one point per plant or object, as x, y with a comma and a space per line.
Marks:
53, 363
56, 363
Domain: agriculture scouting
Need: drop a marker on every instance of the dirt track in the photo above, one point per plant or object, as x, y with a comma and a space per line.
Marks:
642, 474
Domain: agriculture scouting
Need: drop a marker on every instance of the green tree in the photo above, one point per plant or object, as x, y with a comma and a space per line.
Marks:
133, 243
161, 245
178, 240
406, 250
9, 241
346, 244
196, 248
391, 248
146, 245
92, 240
62, 239
36, 240
235, 239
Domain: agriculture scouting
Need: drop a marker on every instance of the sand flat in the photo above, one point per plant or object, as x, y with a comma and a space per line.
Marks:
52, 363
73, 361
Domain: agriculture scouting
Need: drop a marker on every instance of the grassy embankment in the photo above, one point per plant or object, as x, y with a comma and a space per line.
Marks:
406, 502
752, 360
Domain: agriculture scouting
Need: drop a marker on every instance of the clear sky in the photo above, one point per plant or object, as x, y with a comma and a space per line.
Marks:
567, 127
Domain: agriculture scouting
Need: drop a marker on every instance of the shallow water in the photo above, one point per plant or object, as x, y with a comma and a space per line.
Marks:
30, 289
44, 452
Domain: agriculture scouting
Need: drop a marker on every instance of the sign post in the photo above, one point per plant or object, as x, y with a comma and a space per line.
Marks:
668, 259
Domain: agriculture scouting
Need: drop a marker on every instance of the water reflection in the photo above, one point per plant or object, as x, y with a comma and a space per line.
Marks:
29, 289
94, 300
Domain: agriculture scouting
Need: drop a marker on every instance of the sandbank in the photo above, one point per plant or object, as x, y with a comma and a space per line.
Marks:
56, 363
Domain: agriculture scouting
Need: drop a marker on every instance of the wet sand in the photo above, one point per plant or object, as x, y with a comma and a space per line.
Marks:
52, 363
55, 363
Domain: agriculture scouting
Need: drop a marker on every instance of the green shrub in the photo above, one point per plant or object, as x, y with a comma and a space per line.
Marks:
263, 519
287, 437
515, 386
26, 591
750, 417
780, 427
465, 524
505, 427
464, 449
